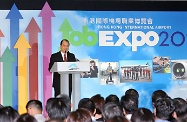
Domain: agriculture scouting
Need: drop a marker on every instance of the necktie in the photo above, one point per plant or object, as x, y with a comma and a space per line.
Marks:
65, 58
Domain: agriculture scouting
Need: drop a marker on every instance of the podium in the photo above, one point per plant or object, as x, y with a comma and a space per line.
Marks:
74, 68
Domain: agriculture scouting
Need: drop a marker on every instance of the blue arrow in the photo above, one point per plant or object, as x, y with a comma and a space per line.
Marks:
14, 16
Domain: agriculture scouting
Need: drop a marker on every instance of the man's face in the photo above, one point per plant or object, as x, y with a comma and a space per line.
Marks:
64, 46
92, 64
29, 111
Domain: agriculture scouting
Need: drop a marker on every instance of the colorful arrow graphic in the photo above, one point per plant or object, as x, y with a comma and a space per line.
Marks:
7, 59
33, 30
14, 16
46, 15
22, 46
65, 28
1, 35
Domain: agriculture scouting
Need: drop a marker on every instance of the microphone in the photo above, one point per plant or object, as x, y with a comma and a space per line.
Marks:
76, 59
65, 51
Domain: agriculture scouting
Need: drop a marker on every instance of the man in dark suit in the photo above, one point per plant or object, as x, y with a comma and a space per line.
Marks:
62, 56
93, 69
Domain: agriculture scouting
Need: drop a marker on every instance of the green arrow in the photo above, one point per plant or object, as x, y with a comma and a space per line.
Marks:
65, 28
7, 59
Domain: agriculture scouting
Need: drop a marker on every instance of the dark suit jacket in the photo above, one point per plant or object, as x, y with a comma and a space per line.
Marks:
57, 57
93, 72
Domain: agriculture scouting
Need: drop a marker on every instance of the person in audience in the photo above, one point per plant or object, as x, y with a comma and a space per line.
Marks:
80, 115
99, 102
118, 119
49, 103
112, 98
163, 109
130, 104
89, 105
180, 111
34, 108
132, 92
111, 110
65, 99
184, 119
26, 118
55, 120
56, 109
158, 94
8, 114
142, 115
1, 106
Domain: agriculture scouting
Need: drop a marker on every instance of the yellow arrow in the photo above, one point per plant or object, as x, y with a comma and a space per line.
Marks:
22, 45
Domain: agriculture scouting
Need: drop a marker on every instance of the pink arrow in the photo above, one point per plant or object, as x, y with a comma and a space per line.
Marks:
1, 35
33, 30
46, 15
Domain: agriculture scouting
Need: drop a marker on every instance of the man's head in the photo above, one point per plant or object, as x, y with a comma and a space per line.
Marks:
158, 94
8, 114
57, 109
79, 115
92, 63
132, 92
118, 119
64, 45
180, 108
1, 106
129, 103
112, 98
88, 104
34, 107
50, 101
111, 110
65, 99
99, 102
25, 118
164, 107
54, 120
142, 115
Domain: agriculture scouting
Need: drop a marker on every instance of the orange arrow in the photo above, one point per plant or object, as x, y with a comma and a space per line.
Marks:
22, 45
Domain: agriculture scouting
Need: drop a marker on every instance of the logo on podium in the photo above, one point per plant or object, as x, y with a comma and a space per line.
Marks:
73, 67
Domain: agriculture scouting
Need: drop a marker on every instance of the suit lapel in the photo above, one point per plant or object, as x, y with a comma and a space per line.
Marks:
60, 56
68, 56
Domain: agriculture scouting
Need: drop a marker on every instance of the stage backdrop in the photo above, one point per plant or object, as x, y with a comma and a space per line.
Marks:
143, 50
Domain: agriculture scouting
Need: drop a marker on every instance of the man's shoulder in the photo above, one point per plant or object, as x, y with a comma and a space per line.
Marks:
161, 120
55, 54
70, 53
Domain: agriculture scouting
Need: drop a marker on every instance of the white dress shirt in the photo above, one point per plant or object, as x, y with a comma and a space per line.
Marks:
63, 55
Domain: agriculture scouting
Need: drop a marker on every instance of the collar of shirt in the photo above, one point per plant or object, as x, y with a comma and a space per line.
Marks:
93, 119
39, 117
128, 116
63, 54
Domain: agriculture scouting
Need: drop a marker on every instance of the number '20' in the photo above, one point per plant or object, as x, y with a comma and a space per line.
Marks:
174, 42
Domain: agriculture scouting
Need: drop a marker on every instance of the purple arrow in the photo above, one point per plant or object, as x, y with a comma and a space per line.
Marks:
46, 15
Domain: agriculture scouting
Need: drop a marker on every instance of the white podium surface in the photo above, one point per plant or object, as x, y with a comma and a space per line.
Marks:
74, 68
